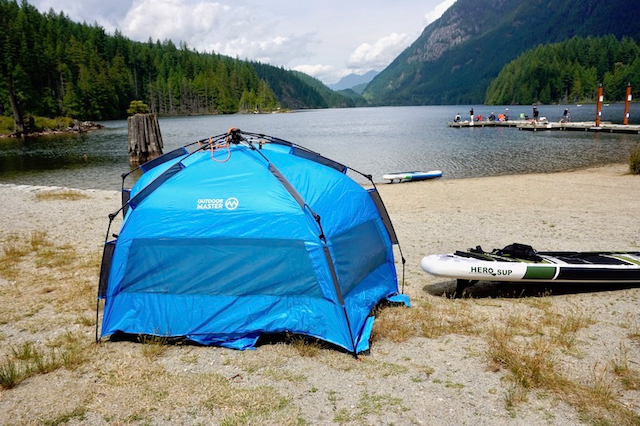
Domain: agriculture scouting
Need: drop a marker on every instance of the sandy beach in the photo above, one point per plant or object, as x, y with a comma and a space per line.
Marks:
507, 355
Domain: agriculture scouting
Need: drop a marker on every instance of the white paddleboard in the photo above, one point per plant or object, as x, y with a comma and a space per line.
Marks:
411, 176
609, 267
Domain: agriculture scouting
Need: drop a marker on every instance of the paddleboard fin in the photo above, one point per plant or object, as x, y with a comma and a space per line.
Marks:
461, 286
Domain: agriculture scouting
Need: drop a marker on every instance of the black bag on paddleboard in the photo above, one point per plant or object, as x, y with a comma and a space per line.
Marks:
520, 251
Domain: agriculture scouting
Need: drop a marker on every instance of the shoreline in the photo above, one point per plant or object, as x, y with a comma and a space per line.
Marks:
378, 183
77, 128
525, 208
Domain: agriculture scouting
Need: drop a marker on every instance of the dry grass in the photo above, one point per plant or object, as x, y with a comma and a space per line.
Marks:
305, 346
37, 267
629, 377
159, 394
566, 325
634, 333
369, 405
527, 344
59, 280
60, 194
14, 249
29, 359
426, 319
634, 160
56, 282
532, 363
153, 346
374, 368
529, 361
249, 406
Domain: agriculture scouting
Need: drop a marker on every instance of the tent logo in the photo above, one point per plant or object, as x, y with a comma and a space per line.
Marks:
231, 203
210, 204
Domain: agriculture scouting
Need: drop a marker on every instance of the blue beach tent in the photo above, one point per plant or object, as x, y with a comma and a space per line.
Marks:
244, 236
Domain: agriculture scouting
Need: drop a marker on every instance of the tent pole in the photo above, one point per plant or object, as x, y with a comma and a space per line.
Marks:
106, 238
97, 318
353, 343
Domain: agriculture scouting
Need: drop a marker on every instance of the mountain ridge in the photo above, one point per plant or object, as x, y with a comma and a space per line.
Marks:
457, 56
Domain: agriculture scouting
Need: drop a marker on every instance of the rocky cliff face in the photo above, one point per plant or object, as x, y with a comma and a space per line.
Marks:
440, 40
457, 56
463, 21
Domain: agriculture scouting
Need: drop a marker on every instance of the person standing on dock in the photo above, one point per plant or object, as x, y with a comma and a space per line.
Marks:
566, 116
506, 114
471, 115
535, 112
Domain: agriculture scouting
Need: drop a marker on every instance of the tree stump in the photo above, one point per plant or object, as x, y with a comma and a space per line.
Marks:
145, 140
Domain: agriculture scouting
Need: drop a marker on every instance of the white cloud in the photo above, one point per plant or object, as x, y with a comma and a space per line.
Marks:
275, 50
173, 19
106, 14
380, 54
438, 11
321, 72
214, 27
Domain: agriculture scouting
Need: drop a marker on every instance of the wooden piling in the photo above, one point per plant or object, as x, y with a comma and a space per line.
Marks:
599, 105
627, 102
145, 139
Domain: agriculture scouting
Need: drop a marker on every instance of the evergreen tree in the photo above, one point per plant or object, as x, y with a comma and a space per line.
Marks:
52, 66
568, 72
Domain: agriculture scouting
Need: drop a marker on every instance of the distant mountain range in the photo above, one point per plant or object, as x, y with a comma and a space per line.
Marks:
458, 55
353, 80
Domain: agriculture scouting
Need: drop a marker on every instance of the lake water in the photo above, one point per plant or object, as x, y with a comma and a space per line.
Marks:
372, 140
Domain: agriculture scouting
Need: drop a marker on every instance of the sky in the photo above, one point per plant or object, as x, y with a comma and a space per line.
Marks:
327, 39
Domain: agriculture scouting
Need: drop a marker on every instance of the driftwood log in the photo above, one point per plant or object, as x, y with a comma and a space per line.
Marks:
145, 140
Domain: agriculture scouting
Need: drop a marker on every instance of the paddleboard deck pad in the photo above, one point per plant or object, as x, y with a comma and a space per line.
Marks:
410, 176
521, 263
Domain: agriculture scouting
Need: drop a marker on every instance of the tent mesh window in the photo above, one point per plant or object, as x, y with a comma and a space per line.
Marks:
228, 267
358, 252
105, 268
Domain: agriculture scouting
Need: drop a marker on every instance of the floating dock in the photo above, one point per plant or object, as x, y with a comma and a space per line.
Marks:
534, 126
585, 126
487, 123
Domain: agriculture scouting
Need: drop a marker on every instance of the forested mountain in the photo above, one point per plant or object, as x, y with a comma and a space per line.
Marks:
356, 97
336, 99
569, 72
51, 66
458, 55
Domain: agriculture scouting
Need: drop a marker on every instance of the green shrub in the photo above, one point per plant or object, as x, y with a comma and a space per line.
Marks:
634, 160
39, 124
58, 123
6, 125
138, 107
10, 376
